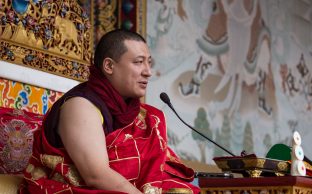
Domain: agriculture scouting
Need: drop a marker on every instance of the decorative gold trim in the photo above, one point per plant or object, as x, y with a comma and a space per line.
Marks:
178, 191
307, 165
254, 173
302, 190
58, 177
258, 190
106, 18
282, 166
36, 172
222, 165
51, 161
149, 189
73, 176
127, 158
250, 163
279, 174
141, 17
177, 182
140, 121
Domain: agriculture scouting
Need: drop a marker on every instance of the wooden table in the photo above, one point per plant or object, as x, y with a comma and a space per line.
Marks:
261, 185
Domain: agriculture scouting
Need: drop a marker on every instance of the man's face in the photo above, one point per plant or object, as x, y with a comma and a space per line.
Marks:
131, 73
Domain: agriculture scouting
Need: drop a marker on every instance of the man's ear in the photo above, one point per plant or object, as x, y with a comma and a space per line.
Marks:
108, 65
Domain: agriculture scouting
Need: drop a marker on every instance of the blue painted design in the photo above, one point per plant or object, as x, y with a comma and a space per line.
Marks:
44, 103
24, 97
75, 65
29, 58
4, 20
80, 26
84, 15
20, 6
16, 20
48, 33
24, 22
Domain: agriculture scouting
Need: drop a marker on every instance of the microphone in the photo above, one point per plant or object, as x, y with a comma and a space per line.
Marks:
165, 98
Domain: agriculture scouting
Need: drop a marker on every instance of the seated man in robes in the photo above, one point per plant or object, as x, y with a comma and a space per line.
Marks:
99, 137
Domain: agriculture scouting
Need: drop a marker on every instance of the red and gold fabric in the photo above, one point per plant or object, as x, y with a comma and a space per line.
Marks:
138, 151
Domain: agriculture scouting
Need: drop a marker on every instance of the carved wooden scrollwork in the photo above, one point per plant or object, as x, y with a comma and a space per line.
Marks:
57, 36
52, 36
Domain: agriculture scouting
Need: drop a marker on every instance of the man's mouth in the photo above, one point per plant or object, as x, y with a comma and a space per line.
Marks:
143, 84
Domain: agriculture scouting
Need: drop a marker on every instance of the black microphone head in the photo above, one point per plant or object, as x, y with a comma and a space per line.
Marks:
165, 98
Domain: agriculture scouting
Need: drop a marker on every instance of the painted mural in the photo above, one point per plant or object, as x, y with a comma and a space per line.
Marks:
26, 97
237, 71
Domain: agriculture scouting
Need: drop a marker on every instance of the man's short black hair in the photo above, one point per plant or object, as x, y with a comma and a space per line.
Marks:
112, 45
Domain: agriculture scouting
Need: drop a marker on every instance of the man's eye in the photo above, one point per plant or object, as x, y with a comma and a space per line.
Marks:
138, 62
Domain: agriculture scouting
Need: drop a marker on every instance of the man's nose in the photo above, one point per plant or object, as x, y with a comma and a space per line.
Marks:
147, 70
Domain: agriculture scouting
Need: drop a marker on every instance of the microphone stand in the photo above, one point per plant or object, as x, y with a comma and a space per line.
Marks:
167, 101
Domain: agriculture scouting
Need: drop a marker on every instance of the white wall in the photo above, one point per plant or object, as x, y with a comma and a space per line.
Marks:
35, 77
